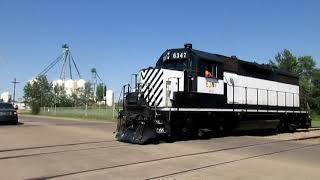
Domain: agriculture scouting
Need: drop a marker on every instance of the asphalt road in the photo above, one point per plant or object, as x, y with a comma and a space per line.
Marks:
41, 148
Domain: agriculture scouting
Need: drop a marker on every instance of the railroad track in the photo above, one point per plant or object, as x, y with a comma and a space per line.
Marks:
70, 145
56, 145
189, 155
228, 162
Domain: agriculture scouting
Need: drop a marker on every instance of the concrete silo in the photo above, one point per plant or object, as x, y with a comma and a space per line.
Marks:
81, 84
109, 98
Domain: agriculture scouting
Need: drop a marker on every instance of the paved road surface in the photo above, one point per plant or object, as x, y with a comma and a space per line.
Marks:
68, 149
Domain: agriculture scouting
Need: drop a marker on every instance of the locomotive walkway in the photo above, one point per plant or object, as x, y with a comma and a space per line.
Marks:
41, 148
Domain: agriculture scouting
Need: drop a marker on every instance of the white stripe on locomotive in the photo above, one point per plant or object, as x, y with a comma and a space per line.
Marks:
153, 85
150, 81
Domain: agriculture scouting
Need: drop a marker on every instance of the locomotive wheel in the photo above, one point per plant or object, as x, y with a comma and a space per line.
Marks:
286, 127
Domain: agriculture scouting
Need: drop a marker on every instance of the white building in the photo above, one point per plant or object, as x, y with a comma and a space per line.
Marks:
6, 97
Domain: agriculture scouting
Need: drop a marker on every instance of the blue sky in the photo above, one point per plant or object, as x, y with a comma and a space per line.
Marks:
120, 37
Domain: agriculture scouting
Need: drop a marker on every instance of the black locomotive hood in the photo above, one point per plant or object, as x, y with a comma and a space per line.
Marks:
182, 54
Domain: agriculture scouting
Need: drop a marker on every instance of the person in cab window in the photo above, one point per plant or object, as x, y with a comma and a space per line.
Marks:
207, 73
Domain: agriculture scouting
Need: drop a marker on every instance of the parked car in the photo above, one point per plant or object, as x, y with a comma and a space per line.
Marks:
8, 114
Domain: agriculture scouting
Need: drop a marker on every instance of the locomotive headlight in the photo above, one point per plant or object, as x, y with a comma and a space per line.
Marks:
166, 57
14, 113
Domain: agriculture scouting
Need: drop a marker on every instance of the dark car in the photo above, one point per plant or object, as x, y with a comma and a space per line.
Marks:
8, 114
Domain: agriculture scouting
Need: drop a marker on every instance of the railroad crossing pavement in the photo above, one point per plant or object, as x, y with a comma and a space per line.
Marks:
69, 149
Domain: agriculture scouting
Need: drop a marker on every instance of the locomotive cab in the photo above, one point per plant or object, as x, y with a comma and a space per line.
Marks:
201, 77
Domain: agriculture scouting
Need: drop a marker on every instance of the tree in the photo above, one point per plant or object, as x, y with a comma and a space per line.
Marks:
31, 92
100, 92
309, 75
285, 60
85, 96
46, 94
315, 91
305, 66
305, 69
38, 93
61, 99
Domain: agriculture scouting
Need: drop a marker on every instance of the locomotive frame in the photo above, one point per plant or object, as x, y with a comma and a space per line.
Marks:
192, 92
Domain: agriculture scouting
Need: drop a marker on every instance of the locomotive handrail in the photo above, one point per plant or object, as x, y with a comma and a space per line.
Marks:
119, 101
255, 88
261, 89
178, 81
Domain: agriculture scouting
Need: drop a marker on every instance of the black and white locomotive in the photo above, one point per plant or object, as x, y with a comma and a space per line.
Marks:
191, 93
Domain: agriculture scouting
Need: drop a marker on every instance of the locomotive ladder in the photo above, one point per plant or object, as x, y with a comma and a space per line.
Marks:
158, 121
158, 118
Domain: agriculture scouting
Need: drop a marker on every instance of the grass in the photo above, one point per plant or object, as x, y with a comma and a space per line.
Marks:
24, 112
78, 113
315, 120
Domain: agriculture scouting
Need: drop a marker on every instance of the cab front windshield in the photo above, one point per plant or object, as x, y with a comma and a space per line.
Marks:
178, 65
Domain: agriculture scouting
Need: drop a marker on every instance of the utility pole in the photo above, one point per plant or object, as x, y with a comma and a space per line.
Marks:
14, 89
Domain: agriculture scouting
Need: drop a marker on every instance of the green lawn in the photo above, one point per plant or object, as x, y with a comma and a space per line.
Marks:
79, 113
315, 120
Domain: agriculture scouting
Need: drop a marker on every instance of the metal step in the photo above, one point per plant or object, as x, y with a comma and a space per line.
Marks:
159, 122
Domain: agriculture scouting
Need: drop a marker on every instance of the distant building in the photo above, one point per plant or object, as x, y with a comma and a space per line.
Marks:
22, 106
6, 97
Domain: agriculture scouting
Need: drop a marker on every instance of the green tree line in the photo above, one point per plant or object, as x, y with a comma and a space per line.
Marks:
40, 93
309, 74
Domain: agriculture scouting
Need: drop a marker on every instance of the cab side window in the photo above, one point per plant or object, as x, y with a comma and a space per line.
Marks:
210, 70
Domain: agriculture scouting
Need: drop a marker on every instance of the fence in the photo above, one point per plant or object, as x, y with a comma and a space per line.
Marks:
103, 113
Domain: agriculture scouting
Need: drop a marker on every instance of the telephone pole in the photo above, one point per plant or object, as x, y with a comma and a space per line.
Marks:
14, 89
